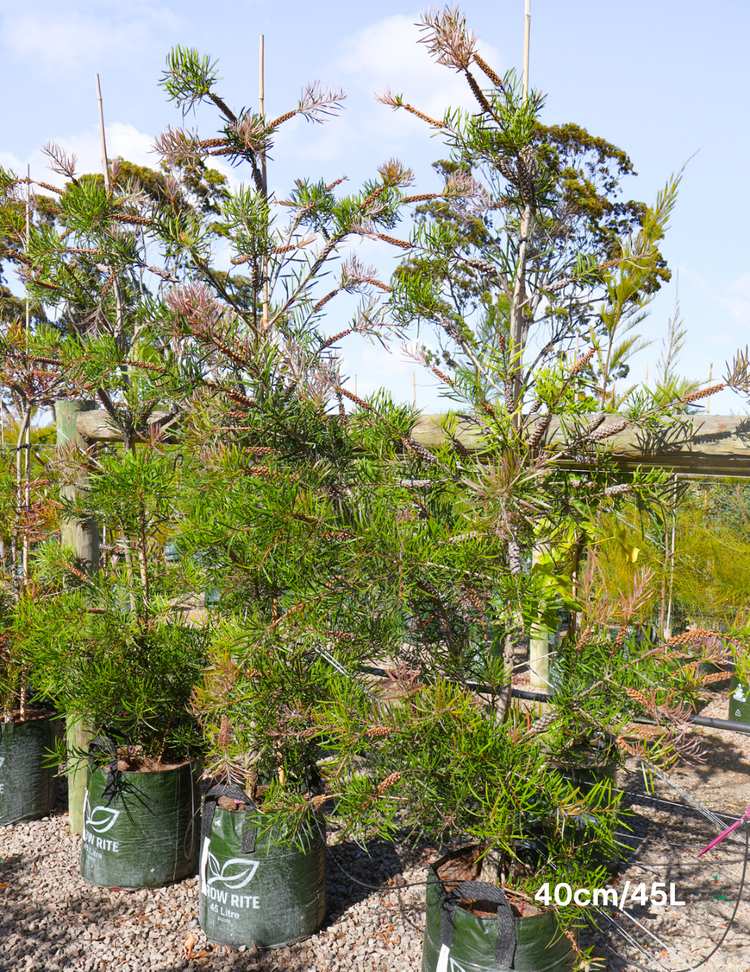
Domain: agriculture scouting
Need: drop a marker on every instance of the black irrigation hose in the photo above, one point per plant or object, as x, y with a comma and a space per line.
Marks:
724, 724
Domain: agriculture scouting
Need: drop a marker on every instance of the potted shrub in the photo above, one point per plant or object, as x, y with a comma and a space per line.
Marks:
268, 518
28, 520
27, 731
439, 766
121, 649
262, 860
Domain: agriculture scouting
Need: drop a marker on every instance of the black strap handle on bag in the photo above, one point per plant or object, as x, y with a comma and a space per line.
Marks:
232, 791
506, 925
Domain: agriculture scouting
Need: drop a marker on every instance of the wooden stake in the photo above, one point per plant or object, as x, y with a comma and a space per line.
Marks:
526, 45
708, 400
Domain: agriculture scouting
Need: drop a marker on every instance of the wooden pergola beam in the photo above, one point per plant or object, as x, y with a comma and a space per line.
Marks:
711, 445
98, 426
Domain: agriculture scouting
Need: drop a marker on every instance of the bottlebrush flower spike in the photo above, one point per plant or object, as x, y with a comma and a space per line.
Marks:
388, 782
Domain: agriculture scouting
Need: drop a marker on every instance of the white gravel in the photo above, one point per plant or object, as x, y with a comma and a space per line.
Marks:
50, 919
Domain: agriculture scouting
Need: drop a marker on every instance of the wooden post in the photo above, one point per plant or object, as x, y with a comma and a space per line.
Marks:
83, 537
539, 638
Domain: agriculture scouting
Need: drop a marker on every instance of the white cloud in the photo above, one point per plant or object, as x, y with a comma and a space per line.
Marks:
50, 38
741, 285
734, 304
122, 140
370, 367
10, 161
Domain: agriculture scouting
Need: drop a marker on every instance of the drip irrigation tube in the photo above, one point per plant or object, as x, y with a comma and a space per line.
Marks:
724, 724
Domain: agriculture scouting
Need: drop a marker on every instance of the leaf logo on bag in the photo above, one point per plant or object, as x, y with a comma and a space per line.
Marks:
101, 819
234, 874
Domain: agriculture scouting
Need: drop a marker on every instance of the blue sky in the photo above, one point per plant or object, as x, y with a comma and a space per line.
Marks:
666, 81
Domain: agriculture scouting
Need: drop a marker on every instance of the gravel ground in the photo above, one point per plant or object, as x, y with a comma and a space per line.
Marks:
51, 920
666, 839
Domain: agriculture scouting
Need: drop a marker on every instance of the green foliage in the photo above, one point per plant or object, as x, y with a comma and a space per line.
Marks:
189, 77
133, 683
529, 244
120, 649
336, 546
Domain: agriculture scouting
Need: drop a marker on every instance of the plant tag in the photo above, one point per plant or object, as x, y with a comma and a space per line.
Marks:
442, 964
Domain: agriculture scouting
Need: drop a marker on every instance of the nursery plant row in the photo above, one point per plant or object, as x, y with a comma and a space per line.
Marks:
200, 592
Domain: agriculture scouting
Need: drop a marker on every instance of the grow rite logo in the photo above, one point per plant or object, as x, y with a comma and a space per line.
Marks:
219, 883
96, 822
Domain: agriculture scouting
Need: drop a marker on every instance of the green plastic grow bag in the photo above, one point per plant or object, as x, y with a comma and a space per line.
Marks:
739, 701
253, 890
140, 829
27, 786
472, 943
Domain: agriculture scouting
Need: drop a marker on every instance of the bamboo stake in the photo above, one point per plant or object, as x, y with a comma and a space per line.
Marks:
264, 169
120, 333
668, 621
105, 161
519, 288
526, 45
539, 637
27, 435
28, 236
